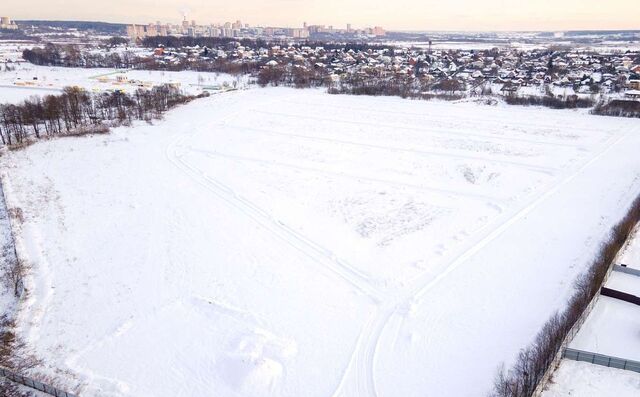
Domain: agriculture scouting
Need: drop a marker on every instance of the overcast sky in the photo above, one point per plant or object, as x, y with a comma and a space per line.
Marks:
398, 15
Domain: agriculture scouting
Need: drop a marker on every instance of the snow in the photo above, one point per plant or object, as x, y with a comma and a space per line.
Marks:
611, 329
612, 326
624, 282
28, 80
585, 379
16, 94
288, 242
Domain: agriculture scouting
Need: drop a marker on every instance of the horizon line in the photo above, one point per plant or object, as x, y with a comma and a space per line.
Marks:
387, 29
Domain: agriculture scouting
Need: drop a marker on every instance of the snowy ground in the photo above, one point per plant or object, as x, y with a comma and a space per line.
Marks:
624, 282
28, 80
611, 329
631, 253
281, 242
612, 326
582, 379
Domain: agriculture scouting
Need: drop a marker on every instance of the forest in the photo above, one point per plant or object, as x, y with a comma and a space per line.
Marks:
77, 111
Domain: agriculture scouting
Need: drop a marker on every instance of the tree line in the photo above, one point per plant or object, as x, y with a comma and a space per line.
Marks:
617, 107
78, 111
73, 56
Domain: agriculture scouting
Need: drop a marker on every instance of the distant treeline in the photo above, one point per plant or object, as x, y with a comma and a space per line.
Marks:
10, 34
100, 27
221, 42
600, 32
73, 56
617, 107
550, 101
78, 112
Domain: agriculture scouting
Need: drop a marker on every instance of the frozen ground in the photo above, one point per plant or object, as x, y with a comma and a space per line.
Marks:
281, 242
624, 282
611, 329
582, 379
28, 80
15, 94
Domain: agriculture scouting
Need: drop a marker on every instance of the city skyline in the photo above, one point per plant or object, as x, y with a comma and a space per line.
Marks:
463, 15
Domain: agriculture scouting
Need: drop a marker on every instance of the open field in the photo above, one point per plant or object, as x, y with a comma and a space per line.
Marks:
280, 242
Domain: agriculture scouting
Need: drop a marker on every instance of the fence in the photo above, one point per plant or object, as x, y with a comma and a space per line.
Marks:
623, 296
570, 335
625, 269
601, 359
34, 384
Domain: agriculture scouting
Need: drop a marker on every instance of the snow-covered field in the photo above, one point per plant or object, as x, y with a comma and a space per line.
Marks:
28, 80
281, 242
585, 379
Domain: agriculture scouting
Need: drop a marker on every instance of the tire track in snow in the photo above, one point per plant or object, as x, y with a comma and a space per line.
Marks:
359, 377
447, 132
309, 248
448, 192
436, 116
422, 152
304, 245
361, 368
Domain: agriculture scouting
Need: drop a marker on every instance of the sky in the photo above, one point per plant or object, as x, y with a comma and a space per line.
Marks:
467, 15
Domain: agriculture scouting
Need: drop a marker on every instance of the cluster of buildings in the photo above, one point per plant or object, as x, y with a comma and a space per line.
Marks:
506, 71
376, 31
239, 30
7, 24
186, 28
